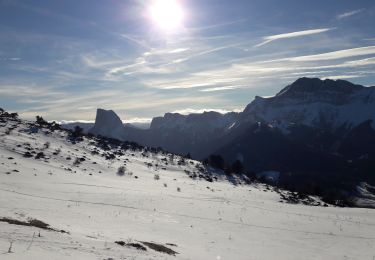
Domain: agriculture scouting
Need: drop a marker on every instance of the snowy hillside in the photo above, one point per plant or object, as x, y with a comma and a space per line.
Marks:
66, 198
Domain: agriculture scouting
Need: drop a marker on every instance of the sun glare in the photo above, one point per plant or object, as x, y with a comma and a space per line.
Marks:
167, 14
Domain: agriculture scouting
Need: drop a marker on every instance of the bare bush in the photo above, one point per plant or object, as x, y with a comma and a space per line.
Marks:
76, 162
122, 170
46, 145
10, 247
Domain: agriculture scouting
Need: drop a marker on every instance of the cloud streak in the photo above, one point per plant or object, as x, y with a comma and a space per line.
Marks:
348, 14
347, 53
247, 74
276, 37
221, 88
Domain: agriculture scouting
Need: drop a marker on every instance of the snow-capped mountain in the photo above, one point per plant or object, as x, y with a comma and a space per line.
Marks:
317, 133
322, 104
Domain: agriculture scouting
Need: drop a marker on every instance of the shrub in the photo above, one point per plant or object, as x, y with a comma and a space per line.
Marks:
39, 155
157, 177
76, 135
46, 145
122, 170
27, 155
40, 121
76, 162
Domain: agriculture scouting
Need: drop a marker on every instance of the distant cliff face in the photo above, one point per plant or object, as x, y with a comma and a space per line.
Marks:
197, 134
194, 123
108, 124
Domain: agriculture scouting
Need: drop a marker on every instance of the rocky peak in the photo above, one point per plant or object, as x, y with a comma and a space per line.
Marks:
107, 123
316, 90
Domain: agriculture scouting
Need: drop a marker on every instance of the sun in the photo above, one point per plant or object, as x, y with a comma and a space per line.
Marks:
167, 14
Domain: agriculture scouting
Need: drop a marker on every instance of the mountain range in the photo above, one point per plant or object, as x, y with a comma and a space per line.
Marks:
312, 131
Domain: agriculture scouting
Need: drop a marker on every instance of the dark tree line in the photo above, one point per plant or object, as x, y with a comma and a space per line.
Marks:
218, 162
5, 114
50, 125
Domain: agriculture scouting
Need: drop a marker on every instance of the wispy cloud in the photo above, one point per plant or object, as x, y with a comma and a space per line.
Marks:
133, 39
272, 38
208, 51
215, 26
247, 74
92, 62
348, 14
10, 59
62, 107
221, 88
179, 50
153, 61
347, 53
335, 77
195, 80
363, 62
38, 92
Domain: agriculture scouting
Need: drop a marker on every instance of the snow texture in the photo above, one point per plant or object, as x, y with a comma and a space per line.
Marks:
195, 218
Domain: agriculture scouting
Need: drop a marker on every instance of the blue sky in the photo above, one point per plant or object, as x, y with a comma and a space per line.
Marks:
63, 59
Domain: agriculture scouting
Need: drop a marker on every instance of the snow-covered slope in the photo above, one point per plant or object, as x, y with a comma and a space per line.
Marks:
73, 186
